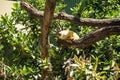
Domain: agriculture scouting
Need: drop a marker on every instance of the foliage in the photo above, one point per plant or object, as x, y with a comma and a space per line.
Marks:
20, 48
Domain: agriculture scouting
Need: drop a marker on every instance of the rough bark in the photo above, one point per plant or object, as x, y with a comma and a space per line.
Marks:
47, 20
76, 20
92, 37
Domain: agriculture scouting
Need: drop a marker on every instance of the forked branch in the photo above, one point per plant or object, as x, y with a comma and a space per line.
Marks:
76, 20
108, 26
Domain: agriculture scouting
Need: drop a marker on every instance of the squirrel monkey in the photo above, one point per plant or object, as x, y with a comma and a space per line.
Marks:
68, 35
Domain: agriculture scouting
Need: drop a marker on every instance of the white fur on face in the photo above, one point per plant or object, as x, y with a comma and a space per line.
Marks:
67, 34
63, 34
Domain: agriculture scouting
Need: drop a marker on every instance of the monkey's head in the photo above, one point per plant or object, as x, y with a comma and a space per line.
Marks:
67, 35
64, 34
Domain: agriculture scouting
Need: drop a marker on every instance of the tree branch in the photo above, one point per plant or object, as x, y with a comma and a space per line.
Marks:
63, 16
47, 20
93, 37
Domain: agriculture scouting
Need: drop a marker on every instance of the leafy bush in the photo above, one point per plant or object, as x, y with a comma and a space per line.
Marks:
20, 55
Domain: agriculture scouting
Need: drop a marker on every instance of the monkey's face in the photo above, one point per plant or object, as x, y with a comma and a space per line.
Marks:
64, 34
